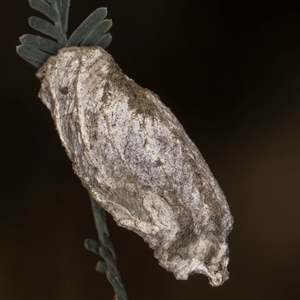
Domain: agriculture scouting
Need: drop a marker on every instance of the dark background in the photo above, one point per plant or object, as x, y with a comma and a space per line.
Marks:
230, 72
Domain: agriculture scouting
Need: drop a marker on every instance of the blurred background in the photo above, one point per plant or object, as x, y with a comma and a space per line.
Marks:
230, 72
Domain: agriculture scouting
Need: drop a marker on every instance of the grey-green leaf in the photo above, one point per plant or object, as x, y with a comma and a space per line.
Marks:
101, 267
92, 246
35, 64
34, 55
39, 43
46, 9
104, 41
58, 2
87, 26
64, 14
98, 31
92, 31
44, 27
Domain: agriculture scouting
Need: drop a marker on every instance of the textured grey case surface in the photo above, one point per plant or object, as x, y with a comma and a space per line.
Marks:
136, 160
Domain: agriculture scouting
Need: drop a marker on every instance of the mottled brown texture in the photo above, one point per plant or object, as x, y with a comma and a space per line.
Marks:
134, 157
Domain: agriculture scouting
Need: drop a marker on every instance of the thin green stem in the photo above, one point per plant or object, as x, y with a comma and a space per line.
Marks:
104, 248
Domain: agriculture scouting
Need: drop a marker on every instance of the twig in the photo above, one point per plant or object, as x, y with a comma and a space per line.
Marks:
104, 248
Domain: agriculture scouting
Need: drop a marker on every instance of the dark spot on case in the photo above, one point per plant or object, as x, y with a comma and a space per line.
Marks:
64, 90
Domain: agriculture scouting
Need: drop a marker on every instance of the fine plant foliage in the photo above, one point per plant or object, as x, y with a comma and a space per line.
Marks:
93, 31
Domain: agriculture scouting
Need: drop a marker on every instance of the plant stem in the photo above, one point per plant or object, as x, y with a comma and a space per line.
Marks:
104, 248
